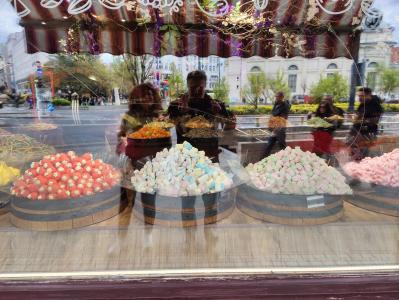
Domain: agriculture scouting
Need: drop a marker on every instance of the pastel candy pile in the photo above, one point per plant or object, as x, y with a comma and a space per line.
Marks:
382, 170
181, 171
292, 171
64, 176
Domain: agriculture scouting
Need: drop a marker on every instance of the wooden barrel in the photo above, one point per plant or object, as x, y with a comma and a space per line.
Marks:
209, 145
373, 197
139, 148
184, 211
289, 209
51, 215
4, 203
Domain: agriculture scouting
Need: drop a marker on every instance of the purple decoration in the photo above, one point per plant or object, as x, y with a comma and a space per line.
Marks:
157, 34
236, 47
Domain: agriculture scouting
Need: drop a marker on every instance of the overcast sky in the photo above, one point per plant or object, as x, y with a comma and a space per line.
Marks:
9, 20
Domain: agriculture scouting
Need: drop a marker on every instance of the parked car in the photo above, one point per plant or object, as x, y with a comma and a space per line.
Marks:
392, 101
298, 99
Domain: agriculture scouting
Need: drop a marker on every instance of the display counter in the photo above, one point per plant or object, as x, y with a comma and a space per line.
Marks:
145, 234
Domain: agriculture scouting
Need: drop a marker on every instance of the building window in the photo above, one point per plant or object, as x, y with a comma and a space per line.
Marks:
292, 79
255, 69
330, 74
293, 68
373, 65
372, 80
332, 66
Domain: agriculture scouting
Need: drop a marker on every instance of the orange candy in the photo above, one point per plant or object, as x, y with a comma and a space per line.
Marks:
150, 133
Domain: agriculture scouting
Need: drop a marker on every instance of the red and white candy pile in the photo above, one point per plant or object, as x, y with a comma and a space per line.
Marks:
64, 176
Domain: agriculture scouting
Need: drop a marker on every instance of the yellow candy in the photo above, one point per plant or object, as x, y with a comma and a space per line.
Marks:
7, 174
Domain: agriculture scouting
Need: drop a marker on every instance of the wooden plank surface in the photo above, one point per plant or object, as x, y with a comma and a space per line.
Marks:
125, 243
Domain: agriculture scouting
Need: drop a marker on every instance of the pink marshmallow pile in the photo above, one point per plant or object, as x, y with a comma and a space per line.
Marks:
382, 170
295, 172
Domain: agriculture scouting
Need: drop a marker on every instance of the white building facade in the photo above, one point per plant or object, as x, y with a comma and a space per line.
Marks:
213, 66
301, 73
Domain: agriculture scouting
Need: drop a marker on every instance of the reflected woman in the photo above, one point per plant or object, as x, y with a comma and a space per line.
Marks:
323, 136
144, 106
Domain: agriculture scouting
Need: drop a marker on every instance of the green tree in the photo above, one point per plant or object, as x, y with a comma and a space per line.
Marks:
334, 85
176, 82
221, 90
279, 84
256, 88
82, 73
388, 80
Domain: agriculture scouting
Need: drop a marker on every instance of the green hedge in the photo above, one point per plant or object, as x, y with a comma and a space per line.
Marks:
297, 108
61, 102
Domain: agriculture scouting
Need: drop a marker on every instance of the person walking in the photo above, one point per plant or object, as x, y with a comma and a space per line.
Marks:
277, 124
365, 124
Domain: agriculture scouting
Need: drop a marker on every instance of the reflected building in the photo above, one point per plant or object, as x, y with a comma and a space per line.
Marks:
301, 74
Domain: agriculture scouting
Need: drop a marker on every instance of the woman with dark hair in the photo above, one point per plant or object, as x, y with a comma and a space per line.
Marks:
323, 136
144, 106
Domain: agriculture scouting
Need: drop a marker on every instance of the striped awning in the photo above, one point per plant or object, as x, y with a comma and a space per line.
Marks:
191, 32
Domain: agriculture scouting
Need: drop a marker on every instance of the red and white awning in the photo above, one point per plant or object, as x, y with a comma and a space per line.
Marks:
331, 36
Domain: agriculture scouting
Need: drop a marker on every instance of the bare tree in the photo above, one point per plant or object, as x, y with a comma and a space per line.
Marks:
132, 70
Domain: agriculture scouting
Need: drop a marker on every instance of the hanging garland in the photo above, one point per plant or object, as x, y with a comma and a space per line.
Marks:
214, 8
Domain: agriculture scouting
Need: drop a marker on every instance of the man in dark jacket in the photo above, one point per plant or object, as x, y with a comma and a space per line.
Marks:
365, 126
281, 108
196, 101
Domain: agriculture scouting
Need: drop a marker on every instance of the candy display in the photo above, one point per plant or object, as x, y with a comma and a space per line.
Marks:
198, 122
181, 171
160, 124
41, 126
64, 176
277, 122
202, 133
150, 133
382, 170
317, 122
292, 171
7, 174
16, 149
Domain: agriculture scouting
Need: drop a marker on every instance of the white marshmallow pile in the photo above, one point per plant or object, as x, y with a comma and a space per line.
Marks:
292, 171
181, 171
382, 170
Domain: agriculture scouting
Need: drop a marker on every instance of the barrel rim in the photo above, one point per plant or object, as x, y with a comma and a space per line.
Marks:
67, 203
218, 198
245, 185
180, 198
291, 221
357, 183
164, 139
